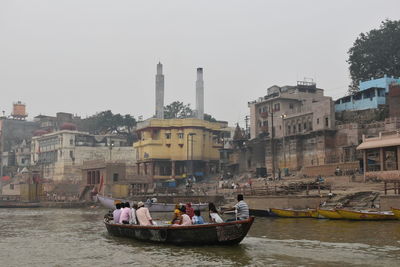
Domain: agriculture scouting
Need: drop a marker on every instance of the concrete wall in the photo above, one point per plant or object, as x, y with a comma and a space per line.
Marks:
394, 101
329, 169
281, 202
388, 201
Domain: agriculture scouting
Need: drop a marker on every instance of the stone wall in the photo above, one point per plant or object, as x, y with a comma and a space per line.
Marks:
389, 201
329, 169
282, 202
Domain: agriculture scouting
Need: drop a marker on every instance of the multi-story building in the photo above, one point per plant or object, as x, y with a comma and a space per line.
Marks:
294, 126
14, 131
55, 123
291, 110
60, 154
372, 94
175, 148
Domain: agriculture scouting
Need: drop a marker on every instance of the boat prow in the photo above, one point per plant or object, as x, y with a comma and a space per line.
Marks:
330, 214
228, 233
396, 212
289, 213
366, 215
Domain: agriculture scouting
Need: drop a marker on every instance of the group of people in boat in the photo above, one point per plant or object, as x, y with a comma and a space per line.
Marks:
138, 214
184, 215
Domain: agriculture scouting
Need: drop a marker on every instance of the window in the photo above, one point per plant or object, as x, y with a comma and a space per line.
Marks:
291, 106
299, 127
115, 177
71, 141
318, 121
277, 107
265, 123
288, 128
180, 135
305, 126
168, 135
326, 122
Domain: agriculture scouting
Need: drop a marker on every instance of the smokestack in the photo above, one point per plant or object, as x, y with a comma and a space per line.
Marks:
200, 94
159, 92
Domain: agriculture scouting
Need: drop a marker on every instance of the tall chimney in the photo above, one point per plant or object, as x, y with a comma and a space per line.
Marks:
200, 94
159, 92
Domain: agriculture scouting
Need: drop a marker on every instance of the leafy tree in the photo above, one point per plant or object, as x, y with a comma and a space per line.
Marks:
177, 110
106, 122
375, 53
208, 117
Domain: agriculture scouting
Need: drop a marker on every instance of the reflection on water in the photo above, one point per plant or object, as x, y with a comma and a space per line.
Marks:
77, 237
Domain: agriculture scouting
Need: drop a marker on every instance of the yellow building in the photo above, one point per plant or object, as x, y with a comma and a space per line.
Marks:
175, 148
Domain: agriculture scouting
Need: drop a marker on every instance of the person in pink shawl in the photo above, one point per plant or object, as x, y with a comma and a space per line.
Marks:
189, 210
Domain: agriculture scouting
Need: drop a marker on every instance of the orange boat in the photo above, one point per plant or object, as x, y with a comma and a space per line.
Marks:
367, 215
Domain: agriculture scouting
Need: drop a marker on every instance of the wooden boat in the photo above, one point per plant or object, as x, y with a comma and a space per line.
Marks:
366, 215
329, 214
229, 233
290, 213
396, 212
109, 203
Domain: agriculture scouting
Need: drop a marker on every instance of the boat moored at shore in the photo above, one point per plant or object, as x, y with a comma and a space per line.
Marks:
366, 215
290, 213
329, 214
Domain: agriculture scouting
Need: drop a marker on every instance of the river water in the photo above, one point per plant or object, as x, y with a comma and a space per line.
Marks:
77, 237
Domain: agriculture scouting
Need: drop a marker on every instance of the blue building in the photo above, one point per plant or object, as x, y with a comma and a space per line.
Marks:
372, 94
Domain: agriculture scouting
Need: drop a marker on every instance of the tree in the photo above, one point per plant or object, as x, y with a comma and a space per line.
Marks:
177, 110
106, 122
375, 53
208, 117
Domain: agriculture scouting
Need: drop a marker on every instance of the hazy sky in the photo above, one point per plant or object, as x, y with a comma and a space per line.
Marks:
85, 56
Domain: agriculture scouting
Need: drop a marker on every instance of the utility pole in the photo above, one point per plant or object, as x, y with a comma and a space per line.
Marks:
246, 119
283, 116
272, 142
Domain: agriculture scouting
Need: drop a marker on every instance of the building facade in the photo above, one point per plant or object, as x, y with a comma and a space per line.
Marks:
291, 110
60, 154
372, 94
290, 127
175, 148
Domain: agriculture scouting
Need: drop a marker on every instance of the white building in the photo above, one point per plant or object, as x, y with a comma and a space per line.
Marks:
60, 154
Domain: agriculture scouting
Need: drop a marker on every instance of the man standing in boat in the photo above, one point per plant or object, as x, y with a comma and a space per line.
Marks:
241, 209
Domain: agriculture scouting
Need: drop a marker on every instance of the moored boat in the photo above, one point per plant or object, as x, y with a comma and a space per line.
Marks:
396, 212
228, 233
290, 213
329, 214
109, 203
366, 215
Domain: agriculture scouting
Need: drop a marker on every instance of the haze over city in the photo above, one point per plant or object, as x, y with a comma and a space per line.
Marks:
88, 56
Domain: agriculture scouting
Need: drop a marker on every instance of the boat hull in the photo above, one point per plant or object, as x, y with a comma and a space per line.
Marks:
330, 214
286, 213
229, 233
154, 207
396, 212
365, 216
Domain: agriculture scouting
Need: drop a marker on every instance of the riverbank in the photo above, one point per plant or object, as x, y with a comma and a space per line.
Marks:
46, 204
